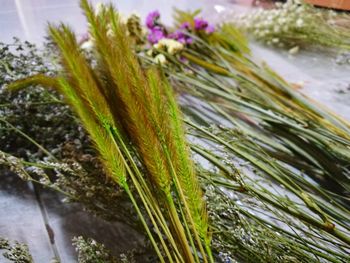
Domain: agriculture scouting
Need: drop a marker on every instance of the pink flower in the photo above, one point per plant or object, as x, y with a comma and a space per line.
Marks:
210, 29
185, 25
180, 36
200, 24
152, 18
155, 35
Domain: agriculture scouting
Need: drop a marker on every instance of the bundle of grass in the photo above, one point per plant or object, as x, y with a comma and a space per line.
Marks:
133, 120
293, 153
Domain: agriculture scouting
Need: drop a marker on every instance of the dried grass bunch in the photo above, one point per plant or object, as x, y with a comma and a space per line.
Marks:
133, 119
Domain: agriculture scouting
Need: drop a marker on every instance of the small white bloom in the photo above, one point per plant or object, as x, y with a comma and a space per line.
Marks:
158, 46
294, 50
299, 22
160, 59
110, 32
87, 45
219, 8
286, 28
123, 18
276, 29
300, 9
281, 21
170, 45
267, 23
98, 8
149, 52
261, 34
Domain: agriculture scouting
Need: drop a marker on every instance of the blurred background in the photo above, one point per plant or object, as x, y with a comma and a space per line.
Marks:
27, 19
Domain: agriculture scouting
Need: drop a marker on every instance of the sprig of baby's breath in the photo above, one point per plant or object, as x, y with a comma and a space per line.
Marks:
15, 252
296, 24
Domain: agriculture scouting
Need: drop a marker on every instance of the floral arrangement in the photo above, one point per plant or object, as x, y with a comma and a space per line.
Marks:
295, 24
274, 183
157, 31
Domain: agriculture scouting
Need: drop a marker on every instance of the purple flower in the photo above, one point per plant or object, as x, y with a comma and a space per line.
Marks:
155, 35
177, 34
210, 29
183, 59
185, 25
200, 24
182, 40
151, 19
189, 40
180, 36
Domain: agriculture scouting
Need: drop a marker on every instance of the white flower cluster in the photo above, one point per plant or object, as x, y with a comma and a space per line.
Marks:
282, 24
167, 45
294, 24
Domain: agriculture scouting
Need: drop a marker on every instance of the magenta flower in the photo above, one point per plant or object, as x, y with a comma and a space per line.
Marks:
180, 36
210, 29
152, 18
185, 25
189, 40
200, 23
155, 35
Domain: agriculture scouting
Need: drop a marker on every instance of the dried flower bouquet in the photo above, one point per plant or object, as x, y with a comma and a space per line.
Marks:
275, 176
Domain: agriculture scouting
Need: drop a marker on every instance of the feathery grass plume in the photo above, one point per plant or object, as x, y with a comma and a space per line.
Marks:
133, 120
187, 176
80, 88
146, 122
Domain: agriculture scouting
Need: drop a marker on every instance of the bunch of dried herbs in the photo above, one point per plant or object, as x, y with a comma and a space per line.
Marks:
273, 165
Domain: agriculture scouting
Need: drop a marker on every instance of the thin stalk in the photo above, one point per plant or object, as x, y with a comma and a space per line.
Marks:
188, 212
144, 186
29, 139
139, 189
160, 256
332, 230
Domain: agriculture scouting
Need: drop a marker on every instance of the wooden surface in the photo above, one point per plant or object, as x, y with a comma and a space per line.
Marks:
337, 4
